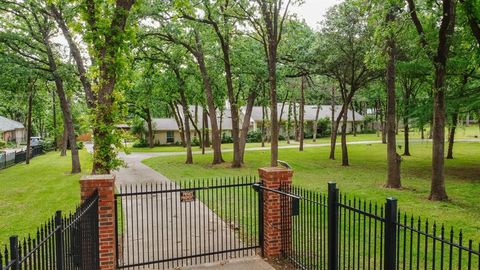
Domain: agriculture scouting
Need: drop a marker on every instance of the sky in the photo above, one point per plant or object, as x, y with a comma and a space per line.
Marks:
314, 10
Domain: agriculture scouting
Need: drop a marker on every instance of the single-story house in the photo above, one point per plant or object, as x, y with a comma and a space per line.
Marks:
12, 131
310, 111
167, 131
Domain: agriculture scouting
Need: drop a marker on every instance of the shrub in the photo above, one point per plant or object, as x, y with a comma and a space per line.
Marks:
195, 141
48, 145
226, 138
3, 144
323, 127
140, 143
254, 136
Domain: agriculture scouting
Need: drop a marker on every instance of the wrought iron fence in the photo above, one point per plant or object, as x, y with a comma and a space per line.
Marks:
335, 231
169, 225
63, 242
7, 159
12, 158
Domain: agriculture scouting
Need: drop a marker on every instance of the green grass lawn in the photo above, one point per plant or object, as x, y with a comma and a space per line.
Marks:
32, 193
364, 178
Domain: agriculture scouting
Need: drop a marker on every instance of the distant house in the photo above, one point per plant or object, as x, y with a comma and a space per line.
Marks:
325, 111
167, 131
12, 131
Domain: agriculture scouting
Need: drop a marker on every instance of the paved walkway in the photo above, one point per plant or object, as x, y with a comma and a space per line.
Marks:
175, 233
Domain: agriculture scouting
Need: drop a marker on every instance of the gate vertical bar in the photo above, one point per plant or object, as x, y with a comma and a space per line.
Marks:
390, 234
14, 254
117, 242
59, 255
260, 221
332, 226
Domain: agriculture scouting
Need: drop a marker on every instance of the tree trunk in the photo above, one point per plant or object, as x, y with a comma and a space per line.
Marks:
150, 127
75, 52
438, 191
315, 124
63, 152
272, 78
343, 113
206, 129
354, 123
216, 139
246, 123
263, 126
237, 153
29, 121
393, 159
54, 109
194, 123
295, 122
178, 120
406, 120
186, 113
451, 137
289, 121
302, 113
344, 138
406, 135
334, 127
64, 105
220, 124
383, 128
199, 133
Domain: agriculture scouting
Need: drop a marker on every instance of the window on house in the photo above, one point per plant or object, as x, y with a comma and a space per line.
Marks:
170, 137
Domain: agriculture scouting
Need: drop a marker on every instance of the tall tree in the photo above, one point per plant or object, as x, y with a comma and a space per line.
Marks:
393, 159
267, 17
218, 18
106, 37
343, 43
439, 60
32, 44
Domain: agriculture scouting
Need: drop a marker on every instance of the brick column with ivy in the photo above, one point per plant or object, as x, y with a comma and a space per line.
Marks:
105, 184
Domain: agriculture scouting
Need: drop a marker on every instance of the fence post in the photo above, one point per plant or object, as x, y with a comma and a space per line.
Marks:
332, 226
59, 262
14, 254
105, 185
274, 178
390, 234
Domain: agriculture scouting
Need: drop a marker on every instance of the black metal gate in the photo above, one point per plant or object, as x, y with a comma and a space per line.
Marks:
169, 225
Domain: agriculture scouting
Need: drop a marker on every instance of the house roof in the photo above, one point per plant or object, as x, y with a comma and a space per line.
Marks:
310, 112
8, 124
164, 124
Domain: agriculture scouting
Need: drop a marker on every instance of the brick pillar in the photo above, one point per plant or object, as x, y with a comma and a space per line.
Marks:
106, 215
274, 177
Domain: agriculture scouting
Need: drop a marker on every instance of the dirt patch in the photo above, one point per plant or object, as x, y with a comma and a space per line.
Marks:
280, 264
